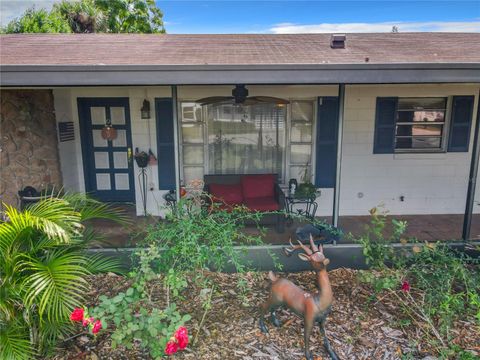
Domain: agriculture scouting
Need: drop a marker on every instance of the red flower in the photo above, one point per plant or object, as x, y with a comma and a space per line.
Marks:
181, 335
77, 314
171, 347
405, 286
97, 326
87, 321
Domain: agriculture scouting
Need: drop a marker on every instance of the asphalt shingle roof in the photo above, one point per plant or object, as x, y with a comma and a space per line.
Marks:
241, 49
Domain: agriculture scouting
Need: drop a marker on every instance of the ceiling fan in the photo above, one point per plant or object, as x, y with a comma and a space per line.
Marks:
240, 96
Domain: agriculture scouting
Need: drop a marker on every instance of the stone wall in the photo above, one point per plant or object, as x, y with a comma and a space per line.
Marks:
28, 143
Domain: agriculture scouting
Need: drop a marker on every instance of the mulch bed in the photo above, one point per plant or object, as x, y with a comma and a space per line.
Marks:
358, 327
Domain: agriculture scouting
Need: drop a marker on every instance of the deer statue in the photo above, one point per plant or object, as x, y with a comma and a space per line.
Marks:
314, 308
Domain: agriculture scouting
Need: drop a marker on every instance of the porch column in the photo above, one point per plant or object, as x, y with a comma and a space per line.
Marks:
336, 189
472, 178
176, 140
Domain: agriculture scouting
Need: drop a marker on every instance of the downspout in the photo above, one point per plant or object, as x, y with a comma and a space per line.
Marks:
176, 140
336, 189
472, 178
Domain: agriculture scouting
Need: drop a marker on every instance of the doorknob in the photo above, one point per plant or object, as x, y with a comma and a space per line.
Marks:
129, 154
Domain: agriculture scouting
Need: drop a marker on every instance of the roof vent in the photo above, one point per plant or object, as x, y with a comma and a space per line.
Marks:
337, 41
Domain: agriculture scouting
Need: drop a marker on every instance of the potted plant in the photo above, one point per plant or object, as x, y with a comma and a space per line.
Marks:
305, 189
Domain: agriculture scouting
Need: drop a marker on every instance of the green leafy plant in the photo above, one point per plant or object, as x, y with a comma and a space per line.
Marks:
137, 317
434, 285
44, 268
375, 243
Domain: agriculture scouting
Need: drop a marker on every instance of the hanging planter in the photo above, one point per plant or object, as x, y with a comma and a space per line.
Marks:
108, 132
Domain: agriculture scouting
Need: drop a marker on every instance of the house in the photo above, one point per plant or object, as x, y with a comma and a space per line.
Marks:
386, 118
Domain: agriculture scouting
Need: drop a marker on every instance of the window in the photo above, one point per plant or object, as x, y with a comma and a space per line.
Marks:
248, 139
301, 135
420, 124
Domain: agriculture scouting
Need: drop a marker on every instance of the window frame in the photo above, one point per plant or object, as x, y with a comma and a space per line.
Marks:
290, 121
206, 160
445, 133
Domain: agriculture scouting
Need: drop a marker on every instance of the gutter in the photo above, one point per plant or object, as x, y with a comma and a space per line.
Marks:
125, 75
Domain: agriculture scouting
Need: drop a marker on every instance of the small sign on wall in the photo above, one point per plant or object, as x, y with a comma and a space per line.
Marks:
66, 131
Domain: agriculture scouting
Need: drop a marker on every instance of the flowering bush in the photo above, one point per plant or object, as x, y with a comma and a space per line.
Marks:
80, 315
179, 341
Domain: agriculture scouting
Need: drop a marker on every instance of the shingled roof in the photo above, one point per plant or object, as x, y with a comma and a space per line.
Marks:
244, 49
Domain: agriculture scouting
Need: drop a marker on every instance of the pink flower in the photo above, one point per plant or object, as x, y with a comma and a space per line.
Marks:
77, 314
87, 321
171, 347
181, 335
97, 326
405, 286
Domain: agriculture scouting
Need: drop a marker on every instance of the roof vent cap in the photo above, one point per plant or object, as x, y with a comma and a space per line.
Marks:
337, 41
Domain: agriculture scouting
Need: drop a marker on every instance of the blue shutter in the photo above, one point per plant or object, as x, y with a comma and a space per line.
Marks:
384, 142
461, 122
327, 140
165, 143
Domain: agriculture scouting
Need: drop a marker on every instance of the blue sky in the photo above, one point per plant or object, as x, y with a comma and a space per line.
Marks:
300, 16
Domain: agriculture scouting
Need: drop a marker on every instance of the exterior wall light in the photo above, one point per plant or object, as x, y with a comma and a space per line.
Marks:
145, 110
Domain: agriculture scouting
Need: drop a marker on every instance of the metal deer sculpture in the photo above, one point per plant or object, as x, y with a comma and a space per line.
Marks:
314, 308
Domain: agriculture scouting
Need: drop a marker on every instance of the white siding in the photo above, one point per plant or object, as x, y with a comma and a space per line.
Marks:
430, 183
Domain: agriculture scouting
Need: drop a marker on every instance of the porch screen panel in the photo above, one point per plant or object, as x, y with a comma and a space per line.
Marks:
246, 139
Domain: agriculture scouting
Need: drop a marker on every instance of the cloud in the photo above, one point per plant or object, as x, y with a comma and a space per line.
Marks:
11, 9
403, 26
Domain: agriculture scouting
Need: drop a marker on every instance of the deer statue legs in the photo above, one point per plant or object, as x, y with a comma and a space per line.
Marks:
326, 343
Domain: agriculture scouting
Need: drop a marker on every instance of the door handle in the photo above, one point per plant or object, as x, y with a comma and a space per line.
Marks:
129, 154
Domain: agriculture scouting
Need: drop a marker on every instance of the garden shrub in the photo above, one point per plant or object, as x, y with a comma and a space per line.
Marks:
433, 284
44, 269
192, 239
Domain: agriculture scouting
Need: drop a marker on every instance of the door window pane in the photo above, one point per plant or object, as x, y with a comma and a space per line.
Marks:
101, 160
298, 172
121, 140
122, 182
120, 160
103, 182
118, 115
98, 115
98, 140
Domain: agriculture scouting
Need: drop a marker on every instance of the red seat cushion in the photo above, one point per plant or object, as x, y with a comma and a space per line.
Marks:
262, 204
258, 186
230, 194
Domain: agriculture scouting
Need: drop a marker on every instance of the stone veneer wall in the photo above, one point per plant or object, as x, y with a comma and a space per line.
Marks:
28, 143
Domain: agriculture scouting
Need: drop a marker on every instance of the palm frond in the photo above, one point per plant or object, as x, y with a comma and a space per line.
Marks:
54, 217
99, 263
93, 209
56, 284
15, 342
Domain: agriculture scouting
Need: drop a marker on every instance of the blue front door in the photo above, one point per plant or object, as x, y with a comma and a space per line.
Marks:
107, 164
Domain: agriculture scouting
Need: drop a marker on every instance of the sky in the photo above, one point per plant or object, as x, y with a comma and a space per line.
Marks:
299, 16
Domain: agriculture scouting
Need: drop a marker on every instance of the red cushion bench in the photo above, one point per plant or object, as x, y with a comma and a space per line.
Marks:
257, 192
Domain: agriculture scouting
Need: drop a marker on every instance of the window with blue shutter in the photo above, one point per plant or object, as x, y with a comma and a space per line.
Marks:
165, 143
461, 123
327, 140
384, 142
